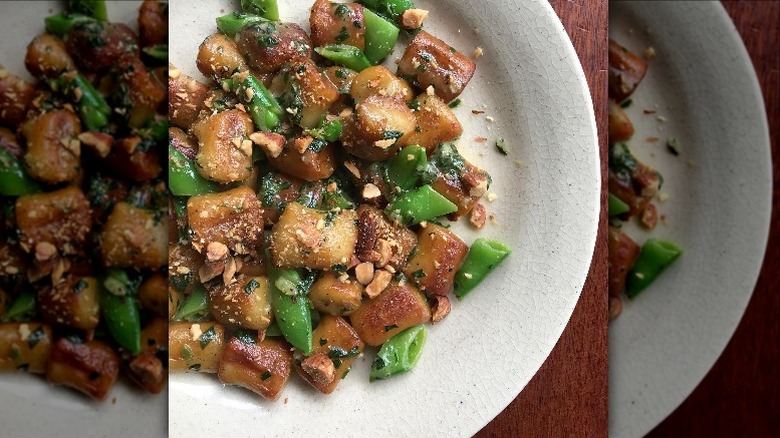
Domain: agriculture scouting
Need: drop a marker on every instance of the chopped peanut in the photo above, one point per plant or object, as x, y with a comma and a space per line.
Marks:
440, 308
320, 368
271, 143
477, 216
413, 18
364, 273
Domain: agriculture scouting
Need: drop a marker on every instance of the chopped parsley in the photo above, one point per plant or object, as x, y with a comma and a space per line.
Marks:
455, 103
80, 286
673, 146
206, 338
626, 103
35, 337
265, 376
251, 286
390, 327
245, 336
336, 352
502, 147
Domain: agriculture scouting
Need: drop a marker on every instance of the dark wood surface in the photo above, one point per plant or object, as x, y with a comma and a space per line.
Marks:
740, 396
569, 393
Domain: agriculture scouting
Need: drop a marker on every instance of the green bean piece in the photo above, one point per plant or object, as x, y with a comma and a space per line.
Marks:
195, 307
484, 255
421, 204
616, 206
656, 255
345, 56
407, 166
120, 311
21, 309
60, 24
390, 9
273, 331
291, 311
336, 199
92, 106
232, 23
381, 36
14, 179
156, 130
91, 8
399, 354
263, 8
157, 51
328, 131
183, 176
261, 104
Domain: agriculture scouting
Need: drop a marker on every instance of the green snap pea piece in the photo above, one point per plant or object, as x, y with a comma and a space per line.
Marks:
14, 179
345, 56
616, 206
399, 354
120, 311
93, 109
390, 9
21, 309
91, 8
484, 255
655, 256
263, 8
183, 176
232, 23
60, 24
421, 204
261, 104
407, 166
195, 307
157, 51
273, 330
291, 311
381, 36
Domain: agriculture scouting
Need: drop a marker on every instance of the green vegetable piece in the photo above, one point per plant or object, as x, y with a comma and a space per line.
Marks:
231, 24
91, 8
263, 8
21, 309
345, 55
14, 179
399, 354
261, 104
502, 146
421, 204
92, 107
273, 330
291, 311
673, 146
406, 167
616, 206
120, 312
656, 255
183, 176
484, 255
157, 51
195, 307
390, 9
60, 24
381, 36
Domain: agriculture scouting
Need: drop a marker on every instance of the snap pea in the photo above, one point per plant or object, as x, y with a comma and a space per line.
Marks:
91, 8
261, 104
381, 36
345, 55
328, 131
616, 206
484, 255
406, 167
263, 8
60, 24
656, 255
390, 9
289, 290
183, 176
399, 354
273, 330
232, 23
14, 179
421, 204
92, 107
21, 309
195, 307
119, 308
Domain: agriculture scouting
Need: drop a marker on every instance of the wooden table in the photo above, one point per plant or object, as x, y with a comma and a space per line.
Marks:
740, 396
569, 393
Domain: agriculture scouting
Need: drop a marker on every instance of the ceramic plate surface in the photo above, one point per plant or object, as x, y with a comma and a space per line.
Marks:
29, 406
703, 88
530, 84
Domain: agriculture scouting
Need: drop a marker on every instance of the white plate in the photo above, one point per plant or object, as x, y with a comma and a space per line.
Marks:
484, 353
720, 187
29, 406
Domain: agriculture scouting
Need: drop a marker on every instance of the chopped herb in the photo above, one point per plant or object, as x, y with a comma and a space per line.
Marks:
626, 103
265, 376
673, 146
414, 105
329, 220
317, 145
345, 373
390, 327
15, 353
80, 286
343, 35
251, 286
206, 338
186, 353
336, 363
452, 49
336, 352
94, 375
35, 337
502, 147
392, 135
342, 73
323, 341
195, 366
339, 268
245, 336
378, 363
455, 103
418, 274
